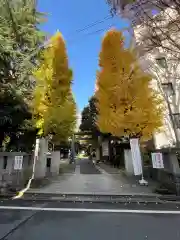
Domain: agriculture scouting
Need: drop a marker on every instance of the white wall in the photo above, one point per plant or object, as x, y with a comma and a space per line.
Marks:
149, 64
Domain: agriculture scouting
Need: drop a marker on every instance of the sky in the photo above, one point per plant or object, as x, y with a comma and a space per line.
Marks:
83, 46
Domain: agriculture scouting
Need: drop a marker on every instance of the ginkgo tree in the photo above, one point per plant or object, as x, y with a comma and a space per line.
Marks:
54, 105
126, 102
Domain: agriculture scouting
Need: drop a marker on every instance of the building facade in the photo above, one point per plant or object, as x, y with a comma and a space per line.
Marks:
141, 14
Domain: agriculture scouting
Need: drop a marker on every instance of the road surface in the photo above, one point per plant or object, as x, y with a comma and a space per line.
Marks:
86, 178
71, 221
87, 167
78, 220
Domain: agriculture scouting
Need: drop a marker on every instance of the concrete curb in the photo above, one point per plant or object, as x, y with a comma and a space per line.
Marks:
109, 196
137, 201
90, 194
88, 199
94, 198
102, 197
7, 196
169, 198
129, 198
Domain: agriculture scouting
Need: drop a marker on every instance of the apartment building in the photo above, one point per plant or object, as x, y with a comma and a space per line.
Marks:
140, 12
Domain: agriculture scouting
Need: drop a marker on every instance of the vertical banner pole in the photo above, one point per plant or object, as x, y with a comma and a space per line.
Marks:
137, 160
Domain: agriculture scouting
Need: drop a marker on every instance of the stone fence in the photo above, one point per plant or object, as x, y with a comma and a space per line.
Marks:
47, 164
170, 175
10, 176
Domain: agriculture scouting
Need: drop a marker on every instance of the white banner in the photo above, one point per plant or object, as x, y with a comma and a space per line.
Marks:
157, 160
136, 156
18, 162
36, 151
105, 148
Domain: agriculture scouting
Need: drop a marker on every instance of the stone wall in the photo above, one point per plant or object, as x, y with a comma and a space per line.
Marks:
10, 176
170, 175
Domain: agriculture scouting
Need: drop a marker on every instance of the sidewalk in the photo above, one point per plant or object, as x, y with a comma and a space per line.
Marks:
128, 181
97, 181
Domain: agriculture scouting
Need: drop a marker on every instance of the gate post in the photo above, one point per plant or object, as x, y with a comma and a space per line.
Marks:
73, 149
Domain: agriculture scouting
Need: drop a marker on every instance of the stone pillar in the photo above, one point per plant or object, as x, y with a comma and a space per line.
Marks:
40, 168
55, 163
128, 162
98, 154
174, 163
105, 150
176, 171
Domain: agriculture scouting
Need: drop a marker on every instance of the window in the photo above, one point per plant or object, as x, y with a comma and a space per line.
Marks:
5, 158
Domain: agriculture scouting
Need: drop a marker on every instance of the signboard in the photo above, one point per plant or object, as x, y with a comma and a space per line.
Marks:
136, 156
105, 148
157, 160
18, 162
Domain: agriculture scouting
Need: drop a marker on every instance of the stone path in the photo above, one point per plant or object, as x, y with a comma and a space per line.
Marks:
90, 179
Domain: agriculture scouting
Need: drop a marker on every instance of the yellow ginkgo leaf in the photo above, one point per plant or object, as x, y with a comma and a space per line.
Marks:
126, 103
54, 107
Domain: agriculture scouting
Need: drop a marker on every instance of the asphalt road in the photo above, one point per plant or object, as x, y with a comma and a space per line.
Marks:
87, 167
91, 221
42, 219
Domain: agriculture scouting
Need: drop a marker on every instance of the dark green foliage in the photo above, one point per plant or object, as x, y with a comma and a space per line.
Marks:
89, 113
20, 40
